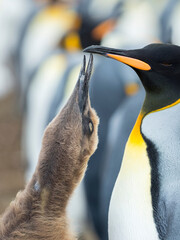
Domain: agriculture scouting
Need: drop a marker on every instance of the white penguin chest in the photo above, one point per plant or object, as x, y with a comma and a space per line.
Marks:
162, 128
130, 213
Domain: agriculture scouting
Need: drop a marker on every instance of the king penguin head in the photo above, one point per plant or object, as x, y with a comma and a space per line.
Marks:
157, 65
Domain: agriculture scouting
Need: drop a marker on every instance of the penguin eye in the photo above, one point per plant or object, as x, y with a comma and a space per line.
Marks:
91, 127
166, 64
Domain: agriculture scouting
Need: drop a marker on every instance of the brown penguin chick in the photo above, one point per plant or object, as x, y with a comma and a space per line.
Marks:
39, 212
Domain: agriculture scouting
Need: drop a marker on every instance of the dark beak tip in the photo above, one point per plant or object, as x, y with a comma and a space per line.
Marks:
89, 49
95, 49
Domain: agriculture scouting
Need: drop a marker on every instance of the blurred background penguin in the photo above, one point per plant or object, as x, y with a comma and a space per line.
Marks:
40, 54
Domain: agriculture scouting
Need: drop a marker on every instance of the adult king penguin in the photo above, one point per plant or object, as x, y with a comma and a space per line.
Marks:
145, 201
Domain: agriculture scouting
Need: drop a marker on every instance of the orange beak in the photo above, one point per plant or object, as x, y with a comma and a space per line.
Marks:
135, 63
121, 56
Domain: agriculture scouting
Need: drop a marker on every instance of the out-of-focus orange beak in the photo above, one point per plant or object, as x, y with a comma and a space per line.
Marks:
103, 28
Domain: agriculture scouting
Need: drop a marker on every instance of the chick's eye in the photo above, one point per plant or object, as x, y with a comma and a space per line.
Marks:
91, 127
88, 126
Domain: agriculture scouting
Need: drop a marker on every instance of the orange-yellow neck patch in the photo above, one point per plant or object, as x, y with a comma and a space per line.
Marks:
135, 137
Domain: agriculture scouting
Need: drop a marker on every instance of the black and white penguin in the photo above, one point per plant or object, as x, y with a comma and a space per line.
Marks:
145, 199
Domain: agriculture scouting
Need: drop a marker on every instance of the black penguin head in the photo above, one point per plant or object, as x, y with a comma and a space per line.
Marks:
158, 66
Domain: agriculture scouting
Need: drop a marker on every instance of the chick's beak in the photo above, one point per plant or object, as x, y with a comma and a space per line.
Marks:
123, 56
83, 83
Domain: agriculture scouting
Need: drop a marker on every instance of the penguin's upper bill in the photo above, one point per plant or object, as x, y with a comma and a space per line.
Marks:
156, 57
120, 55
158, 66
